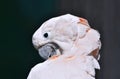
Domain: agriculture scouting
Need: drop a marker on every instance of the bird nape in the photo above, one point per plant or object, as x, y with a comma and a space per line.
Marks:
70, 47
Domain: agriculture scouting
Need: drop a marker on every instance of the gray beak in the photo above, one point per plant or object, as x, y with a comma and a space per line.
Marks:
48, 50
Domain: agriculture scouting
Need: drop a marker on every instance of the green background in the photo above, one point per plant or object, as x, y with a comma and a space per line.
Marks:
19, 20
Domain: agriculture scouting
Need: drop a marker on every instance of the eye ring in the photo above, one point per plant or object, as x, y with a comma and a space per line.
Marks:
45, 35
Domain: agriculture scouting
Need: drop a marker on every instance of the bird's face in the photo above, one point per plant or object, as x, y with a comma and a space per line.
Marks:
54, 37
59, 35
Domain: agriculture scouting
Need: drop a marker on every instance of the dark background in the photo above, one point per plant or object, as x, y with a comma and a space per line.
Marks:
19, 19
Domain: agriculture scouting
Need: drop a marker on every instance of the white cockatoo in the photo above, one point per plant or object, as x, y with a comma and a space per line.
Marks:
70, 47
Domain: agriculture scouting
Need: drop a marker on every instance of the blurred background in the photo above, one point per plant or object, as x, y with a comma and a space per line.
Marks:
19, 19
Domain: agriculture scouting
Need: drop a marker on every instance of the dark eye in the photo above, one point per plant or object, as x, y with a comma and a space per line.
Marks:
45, 35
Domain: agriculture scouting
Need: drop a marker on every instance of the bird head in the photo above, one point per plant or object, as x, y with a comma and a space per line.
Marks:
64, 35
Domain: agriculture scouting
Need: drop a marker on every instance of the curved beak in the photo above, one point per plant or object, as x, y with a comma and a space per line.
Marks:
48, 50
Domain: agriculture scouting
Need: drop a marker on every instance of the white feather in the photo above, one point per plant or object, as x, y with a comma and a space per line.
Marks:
77, 41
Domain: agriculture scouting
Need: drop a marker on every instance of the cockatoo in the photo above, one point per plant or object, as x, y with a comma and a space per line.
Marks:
69, 46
